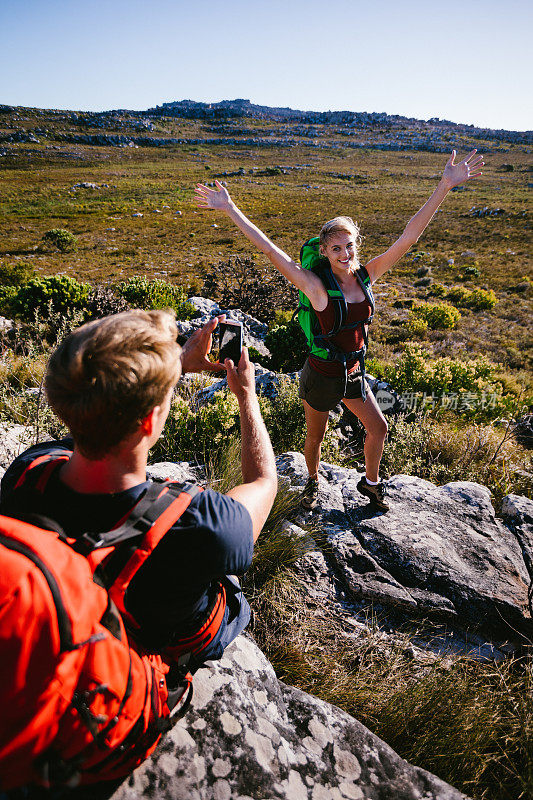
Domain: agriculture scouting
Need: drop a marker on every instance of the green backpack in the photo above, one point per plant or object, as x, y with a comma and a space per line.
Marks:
320, 344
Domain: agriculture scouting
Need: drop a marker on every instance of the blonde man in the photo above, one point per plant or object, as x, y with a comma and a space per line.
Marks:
111, 383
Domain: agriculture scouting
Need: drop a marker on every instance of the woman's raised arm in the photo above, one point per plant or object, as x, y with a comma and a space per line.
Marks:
219, 200
453, 175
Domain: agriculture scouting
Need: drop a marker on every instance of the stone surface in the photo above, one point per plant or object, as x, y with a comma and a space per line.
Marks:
439, 552
517, 513
254, 331
173, 471
249, 736
266, 383
13, 440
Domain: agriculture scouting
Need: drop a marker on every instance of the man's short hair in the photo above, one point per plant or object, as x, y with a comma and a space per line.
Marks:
106, 376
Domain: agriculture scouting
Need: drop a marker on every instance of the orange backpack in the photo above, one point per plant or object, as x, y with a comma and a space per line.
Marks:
115, 558
79, 705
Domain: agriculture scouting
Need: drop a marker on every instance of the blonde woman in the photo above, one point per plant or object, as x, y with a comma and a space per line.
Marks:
323, 383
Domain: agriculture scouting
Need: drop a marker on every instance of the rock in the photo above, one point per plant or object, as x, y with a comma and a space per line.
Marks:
86, 185
174, 471
6, 324
247, 735
254, 331
266, 383
522, 429
438, 553
517, 513
13, 440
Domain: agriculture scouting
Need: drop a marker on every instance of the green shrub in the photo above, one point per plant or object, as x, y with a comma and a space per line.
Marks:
470, 272
141, 292
196, 434
62, 239
437, 315
437, 290
58, 293
482, 299
476, 299
416, 327
285, 418
288, 347
459, 295
472, 388
7, 295
16, 274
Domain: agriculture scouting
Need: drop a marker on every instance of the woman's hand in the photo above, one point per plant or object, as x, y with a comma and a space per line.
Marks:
217, 199
456, 174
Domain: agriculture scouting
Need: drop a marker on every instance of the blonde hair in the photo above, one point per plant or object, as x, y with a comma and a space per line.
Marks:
340, 225
106, 376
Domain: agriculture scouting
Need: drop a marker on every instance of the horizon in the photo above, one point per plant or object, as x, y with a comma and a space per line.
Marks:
469, 64
123, 109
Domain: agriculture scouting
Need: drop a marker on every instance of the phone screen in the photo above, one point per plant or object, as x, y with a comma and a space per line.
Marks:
230, 337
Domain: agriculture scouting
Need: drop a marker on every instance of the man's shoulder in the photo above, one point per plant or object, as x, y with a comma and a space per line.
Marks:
22, 461
219, 516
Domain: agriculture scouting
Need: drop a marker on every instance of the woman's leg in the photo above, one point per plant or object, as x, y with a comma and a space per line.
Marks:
317, 423
376, 430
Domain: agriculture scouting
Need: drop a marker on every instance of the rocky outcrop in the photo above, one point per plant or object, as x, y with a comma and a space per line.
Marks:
247, 736
14, 439
254, 331
439, 554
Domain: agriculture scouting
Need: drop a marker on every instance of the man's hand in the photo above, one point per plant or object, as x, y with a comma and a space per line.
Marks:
241, 378
194, 351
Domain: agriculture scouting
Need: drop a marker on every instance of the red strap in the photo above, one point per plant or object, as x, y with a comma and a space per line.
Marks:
52, 457
197, 642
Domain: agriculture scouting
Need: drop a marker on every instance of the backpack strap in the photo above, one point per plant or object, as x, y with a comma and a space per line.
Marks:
52, 460
340, 307
153, 515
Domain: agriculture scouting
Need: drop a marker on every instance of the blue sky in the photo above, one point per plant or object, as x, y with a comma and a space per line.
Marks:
465, 61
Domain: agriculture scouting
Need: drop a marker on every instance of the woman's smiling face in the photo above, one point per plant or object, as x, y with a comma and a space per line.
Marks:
341, 251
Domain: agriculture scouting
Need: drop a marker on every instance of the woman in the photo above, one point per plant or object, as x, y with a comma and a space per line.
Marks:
321, 381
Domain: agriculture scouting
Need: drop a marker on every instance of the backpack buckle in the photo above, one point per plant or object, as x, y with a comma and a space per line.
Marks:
88, 542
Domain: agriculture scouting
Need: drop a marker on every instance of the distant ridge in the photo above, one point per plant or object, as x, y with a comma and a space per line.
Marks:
239, 108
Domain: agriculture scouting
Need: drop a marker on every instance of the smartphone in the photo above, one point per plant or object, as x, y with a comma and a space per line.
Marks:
230, 339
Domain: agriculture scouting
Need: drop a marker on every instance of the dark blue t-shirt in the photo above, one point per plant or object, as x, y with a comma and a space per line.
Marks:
173, 591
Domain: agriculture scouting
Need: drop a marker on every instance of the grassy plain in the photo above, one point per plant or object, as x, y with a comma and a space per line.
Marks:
470, 723
381, 189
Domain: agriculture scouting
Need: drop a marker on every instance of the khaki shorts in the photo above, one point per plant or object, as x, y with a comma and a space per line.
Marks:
323, 392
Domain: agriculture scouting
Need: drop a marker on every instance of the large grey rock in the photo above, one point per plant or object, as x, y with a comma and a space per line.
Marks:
13, 440
254, 331
517, 513
249, 736
266, 383
180, 471
439, 552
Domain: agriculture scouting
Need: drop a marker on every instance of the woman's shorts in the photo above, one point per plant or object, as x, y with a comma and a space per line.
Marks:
324, 392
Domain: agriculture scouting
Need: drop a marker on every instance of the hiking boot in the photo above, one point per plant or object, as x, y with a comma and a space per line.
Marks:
309, 496
375, 493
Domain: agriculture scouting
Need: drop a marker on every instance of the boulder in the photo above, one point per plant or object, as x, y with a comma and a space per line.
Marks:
439, 553
247, 735
517, 513
266, 383
13, 440
254, 331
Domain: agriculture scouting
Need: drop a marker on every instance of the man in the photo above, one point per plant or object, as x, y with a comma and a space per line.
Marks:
111, 383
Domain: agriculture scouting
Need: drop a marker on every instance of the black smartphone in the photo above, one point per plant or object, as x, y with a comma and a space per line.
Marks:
230, 339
